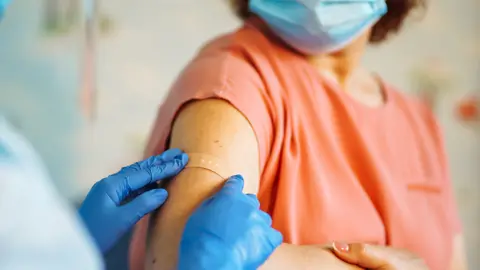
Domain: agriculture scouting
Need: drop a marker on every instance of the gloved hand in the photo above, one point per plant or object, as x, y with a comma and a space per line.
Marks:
104, 211
228, 232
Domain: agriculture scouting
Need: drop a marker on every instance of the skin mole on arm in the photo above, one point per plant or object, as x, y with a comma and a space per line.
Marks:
218, 143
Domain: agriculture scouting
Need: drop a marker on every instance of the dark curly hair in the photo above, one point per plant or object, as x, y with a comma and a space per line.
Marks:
398, 11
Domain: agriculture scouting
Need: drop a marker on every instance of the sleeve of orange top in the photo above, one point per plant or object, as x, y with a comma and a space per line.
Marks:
219, 76
222, 75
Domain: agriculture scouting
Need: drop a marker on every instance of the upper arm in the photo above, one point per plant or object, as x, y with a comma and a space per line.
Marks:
212, 127
219, 107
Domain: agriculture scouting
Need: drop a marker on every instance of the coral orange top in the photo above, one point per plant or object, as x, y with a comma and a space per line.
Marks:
332, 168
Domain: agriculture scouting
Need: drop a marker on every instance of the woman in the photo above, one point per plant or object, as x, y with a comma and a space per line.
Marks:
333, 152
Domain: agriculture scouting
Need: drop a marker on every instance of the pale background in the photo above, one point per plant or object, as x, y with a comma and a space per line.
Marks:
150, 42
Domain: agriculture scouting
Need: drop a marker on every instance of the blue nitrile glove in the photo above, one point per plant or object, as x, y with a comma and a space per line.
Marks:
106, 214
3, 6
228, 232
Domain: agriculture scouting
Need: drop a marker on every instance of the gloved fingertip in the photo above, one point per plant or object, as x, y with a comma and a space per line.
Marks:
161, 193
253, 200
157, 198
237, 177
167, 169
234, 183
267, 219
174, 150
168, 155
183, 158
277, 238
235, 180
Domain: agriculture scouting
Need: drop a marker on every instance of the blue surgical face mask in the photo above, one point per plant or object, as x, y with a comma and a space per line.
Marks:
3, 6
319, 26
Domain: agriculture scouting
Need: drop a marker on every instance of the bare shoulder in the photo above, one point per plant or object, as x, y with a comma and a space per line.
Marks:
214, 127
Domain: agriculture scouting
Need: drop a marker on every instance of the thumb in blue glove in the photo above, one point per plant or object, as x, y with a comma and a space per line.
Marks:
228, 231
104, 211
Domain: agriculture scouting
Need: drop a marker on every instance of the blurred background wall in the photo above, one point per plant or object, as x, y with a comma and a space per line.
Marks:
142, 45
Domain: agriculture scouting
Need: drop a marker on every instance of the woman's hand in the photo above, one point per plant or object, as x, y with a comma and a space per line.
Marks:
107, 211
378, 257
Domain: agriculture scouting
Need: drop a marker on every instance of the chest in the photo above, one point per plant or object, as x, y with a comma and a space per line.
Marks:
397, 144
374, 178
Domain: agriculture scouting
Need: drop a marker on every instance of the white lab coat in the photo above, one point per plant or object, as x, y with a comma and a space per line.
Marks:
38, 229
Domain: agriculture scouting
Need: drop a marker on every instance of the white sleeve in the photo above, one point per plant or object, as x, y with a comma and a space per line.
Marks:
38, 230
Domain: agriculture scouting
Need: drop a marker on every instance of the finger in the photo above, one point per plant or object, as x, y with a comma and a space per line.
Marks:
128, 181
275, 238
265, 218
167, 156
233, 185
253, 200
138, 179
143, 205
362, 255
168, 169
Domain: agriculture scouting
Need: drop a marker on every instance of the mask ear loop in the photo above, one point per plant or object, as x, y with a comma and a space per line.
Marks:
208, 162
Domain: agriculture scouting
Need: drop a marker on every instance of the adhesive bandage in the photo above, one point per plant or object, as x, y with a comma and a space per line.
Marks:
208, 162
